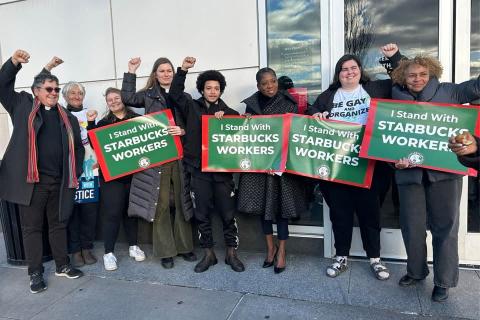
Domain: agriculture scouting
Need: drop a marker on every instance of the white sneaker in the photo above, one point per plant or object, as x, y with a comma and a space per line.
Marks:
109, 262
136, 253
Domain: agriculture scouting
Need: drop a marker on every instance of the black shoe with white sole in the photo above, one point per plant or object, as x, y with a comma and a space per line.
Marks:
69, 272
37, 284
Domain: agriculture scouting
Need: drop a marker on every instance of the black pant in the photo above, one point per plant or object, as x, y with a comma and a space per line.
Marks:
114, 205
81, 227
282, 227
344, 201
45, 201
209, 193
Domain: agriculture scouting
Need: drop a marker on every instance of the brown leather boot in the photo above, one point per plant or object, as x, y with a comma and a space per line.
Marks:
209, 259
232, 260
77, 259
88, 256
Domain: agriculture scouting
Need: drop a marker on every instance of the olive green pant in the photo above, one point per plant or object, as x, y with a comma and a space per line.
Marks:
172, 235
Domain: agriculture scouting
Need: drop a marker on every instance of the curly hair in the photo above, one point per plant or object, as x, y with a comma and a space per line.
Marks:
434, 67
210, 75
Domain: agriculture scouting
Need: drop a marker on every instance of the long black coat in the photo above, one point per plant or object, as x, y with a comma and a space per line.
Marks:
13, 169
272, 195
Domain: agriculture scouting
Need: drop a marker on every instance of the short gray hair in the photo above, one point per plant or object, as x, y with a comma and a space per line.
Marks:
69, 86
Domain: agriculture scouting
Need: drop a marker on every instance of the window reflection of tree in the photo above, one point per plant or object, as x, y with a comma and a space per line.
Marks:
359, 28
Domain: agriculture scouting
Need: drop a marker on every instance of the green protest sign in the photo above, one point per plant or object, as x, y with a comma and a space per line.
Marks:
328, 150
240, 144
417, 131
135, 144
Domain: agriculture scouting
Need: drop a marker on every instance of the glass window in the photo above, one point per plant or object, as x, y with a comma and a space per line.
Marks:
293, 38
293, 45
411, 24
475, 39
473, 224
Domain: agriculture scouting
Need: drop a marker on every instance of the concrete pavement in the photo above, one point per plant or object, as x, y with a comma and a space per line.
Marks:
144, 290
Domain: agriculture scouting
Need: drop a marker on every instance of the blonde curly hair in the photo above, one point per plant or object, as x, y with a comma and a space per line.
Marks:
434, 67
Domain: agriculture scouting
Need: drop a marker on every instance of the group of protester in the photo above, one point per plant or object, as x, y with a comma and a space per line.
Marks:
41, 166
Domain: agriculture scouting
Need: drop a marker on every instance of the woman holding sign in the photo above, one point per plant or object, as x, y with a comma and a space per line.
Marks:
430, 197
273, 196
348, 99
114, 194
159, 194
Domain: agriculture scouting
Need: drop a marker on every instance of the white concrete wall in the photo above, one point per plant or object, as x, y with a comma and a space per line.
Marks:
96, 38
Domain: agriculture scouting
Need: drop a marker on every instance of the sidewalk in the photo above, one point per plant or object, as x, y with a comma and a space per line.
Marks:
144, 290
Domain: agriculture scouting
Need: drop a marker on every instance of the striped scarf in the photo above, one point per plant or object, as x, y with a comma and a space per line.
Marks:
32, 175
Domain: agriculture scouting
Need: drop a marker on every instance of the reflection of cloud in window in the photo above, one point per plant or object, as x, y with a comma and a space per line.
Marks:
475, 40
294, 41
412, 24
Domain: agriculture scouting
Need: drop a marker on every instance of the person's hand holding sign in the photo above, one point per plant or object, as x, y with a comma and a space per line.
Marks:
404, 163
175, 131
463, 144
219, 115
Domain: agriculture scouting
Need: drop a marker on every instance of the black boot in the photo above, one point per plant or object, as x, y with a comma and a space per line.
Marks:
208, 260
439, 294
232, 260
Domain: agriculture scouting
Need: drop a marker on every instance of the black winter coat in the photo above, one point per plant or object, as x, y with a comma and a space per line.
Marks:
153, 99
272, 195
435, 91
144, 190
472, 160
13, 169
192, 111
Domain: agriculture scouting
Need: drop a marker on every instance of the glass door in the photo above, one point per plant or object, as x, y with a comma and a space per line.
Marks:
467, 44
304, 39
369, 24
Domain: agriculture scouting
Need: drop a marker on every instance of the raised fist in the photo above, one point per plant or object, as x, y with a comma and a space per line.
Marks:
133, 64
188, 63
389, 49
92, 115
53, 63
20, 56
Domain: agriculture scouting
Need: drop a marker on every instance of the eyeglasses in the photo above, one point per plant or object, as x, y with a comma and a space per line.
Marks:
50, 89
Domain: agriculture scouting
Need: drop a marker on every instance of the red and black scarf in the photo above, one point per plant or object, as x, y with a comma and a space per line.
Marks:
32, 175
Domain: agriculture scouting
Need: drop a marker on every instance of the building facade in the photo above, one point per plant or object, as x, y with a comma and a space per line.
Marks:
299, 38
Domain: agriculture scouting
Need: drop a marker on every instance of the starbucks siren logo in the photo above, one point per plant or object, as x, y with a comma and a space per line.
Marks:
144, 162
323, 171
416, 158
245, 164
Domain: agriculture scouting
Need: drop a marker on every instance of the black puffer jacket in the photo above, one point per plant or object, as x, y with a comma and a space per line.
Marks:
152, 99
145, 186
145, 189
